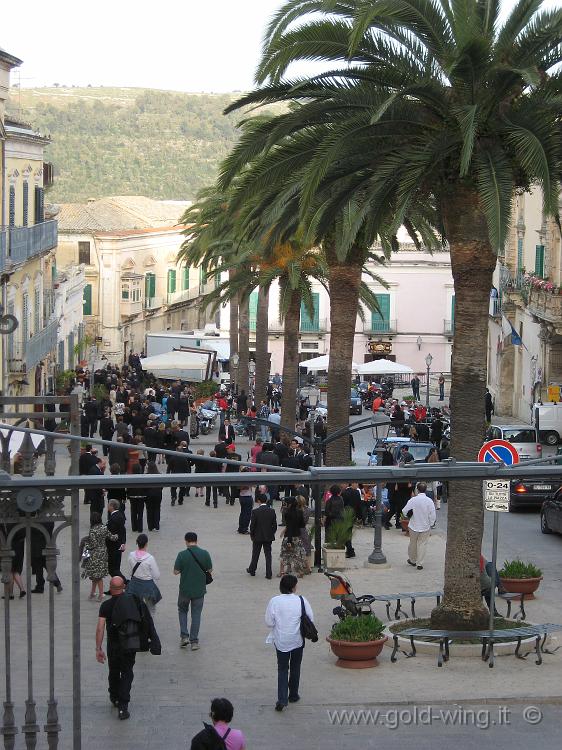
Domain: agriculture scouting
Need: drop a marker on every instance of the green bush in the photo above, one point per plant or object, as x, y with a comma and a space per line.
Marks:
100, 391
206, 388
340, 531
519, 569
358, 629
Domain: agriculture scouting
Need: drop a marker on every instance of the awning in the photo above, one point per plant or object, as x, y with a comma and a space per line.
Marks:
383, 367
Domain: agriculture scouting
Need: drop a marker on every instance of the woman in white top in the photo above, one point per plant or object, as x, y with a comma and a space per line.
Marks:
144, 574
283, 616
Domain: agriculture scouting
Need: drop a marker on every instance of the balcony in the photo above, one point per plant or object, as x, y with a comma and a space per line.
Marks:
495, 310
26, 243
186, 295
153, 303
41, 344
320, 325
15, 356
379, 326
545, 306
129, 308
448, 327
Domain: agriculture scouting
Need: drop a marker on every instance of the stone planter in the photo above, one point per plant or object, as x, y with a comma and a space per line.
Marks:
352, 655
526, 586
334, 559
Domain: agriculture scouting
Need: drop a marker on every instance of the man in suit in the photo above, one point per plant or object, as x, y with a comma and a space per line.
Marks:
263, 526
180, 465
94, 495
269, 458
233, 492
115, 525
227, 433
87, 460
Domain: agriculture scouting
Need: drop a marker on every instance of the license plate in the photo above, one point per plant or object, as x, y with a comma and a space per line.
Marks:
542, 487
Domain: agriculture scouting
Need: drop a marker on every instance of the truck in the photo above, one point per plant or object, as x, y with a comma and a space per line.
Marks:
208, 339
547, 419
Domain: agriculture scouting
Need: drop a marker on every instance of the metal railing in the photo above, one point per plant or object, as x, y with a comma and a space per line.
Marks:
186, 295
28, 242
379, 326
495, 307
320, 325
41, 344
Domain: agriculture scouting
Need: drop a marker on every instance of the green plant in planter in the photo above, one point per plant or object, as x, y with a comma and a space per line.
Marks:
99, 391
206, 389
358, 629
519, 569
340, 531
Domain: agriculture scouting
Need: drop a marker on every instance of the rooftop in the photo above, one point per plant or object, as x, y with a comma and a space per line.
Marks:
120, 213
10, 59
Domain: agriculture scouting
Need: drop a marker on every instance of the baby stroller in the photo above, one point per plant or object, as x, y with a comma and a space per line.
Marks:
351, 605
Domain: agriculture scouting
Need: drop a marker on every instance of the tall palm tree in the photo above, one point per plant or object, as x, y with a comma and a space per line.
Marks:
262, 341
432, 112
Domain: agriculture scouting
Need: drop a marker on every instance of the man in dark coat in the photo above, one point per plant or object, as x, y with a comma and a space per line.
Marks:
232, 493
269, 458
94, 495
115, 525
180, 465
91, 410
87, 460
263, 526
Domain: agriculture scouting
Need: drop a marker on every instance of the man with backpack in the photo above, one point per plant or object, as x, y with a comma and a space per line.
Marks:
129, 629
219, 736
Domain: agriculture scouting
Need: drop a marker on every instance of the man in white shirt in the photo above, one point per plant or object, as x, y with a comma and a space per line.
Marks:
283, 616
423, 518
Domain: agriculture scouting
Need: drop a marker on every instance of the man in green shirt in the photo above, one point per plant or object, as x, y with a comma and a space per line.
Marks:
191, 565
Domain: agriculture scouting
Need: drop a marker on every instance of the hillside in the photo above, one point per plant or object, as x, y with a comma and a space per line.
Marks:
112, 141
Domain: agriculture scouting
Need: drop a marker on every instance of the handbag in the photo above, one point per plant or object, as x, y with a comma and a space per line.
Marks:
208, 576
308, 628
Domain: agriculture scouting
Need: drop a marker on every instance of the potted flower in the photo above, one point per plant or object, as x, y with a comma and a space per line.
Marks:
357, 641
518, 577
337, 535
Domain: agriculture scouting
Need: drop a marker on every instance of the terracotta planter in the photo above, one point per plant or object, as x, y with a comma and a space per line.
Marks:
404, 523
352, 655
526, 586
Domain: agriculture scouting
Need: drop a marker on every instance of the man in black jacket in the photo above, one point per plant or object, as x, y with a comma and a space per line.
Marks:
113, 613
263, 526
87, 460
94, 495
352, 499
180, 465
232, 492
91, 410
267, 457
115, 525
107, 428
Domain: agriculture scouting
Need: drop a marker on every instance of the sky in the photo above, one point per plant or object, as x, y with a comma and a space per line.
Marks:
181, 45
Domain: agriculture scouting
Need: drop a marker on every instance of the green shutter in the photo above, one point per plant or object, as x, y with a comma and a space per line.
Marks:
171, 281
185, 278
150, 286
380, 321
202, 276
311, 324
253, 306
87, 300
539, 260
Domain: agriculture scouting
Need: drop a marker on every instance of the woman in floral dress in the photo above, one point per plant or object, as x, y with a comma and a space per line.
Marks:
293, 555
95, 567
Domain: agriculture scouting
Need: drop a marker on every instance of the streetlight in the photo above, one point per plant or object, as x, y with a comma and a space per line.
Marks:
428, 361
234, 362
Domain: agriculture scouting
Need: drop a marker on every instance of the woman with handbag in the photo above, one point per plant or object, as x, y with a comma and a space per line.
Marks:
145, 574
94, 554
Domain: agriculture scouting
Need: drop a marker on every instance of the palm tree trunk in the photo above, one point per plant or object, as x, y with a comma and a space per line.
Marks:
473, 262
262, 340
243, 344
233, 305
344, 279
291, 360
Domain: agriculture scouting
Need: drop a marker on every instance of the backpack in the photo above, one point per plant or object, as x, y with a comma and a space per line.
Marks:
129, 632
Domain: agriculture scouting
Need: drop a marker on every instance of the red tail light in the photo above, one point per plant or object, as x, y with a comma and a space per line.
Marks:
539, 448
520, 488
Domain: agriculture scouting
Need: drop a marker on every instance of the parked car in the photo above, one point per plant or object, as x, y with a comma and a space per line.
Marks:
418, 450
523, 437
526, 493
551, 514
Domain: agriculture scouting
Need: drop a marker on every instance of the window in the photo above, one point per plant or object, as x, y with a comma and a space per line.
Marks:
87, 300
135, 291
84, 253
380, 321
311, 324
125, 291
25, 203
39, 205
539, 261
185, 278
150, 286
37, 311
171, 281
253, 307
12, 206
202, 276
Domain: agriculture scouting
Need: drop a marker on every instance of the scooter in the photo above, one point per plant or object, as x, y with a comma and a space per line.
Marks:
350, 604
207, 420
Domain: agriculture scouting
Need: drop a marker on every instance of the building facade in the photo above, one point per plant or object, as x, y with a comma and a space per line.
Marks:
128, 246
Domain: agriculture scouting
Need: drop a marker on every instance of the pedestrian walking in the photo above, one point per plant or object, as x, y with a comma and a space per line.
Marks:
145, 574
107, 428
246, 500
293, 555
415, 383
194, 566
263, 525
95, 564
219, 735
488, 406
136, 496
283, 617
441, 382
153, 500
117, 493
333, 509
115, 547
123, 608
180, 465
422, 519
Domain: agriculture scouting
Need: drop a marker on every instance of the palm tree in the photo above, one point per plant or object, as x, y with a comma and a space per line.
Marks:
262, 341
433, 113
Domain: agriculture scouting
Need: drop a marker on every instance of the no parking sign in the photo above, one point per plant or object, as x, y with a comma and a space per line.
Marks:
498, 451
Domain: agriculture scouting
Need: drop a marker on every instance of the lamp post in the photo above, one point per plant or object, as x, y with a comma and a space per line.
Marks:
428, 361
377, 557
234, 362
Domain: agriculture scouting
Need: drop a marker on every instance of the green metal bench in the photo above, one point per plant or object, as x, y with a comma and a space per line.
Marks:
445, 638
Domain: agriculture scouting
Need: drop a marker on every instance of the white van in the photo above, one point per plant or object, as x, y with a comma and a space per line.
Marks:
548, 422
524, 438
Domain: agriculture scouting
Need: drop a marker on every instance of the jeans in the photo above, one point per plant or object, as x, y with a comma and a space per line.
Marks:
256, 549
184, 603
120, 675
288, 681
246, 503
264, 433
441, 392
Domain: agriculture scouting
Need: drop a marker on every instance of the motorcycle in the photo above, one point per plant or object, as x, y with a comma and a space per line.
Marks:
350, 604
207, 416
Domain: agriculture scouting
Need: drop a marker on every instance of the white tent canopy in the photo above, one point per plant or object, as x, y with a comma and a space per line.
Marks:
177, 365
321, 363
383, 367
16, 439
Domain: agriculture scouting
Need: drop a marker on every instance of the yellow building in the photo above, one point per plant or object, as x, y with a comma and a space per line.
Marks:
26, 260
